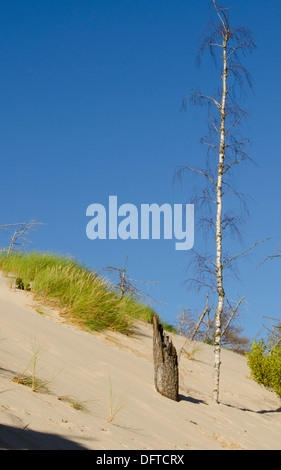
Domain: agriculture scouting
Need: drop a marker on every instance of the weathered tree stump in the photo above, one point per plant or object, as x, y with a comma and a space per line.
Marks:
166, 375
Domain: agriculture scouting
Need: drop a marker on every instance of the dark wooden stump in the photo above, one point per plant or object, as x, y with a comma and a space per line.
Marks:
166, 375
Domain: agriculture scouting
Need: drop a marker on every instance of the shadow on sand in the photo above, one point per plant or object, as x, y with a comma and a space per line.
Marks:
191, 399
278, 410
12, 438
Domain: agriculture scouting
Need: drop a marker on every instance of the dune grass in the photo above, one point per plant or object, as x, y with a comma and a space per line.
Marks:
114, 407
84, 297
29, 376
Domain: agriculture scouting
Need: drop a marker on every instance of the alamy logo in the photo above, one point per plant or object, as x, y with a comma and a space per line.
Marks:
177, 222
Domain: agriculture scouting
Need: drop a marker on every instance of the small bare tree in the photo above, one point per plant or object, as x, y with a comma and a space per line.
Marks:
127, 285
226, 151
17, 234
202, 327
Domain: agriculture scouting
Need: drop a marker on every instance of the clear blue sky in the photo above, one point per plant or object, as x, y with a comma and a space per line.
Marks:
90, 106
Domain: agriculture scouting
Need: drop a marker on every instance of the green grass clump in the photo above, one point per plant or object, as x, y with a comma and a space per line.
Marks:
86, 298
29, 375
37, 385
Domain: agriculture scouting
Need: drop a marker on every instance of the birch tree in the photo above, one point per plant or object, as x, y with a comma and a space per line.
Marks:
226, 151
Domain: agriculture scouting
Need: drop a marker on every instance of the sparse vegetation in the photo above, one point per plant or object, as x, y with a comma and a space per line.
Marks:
264, 362
76, 404
190, 351
84, 297
29, 375
114, 407
36, 384
204, 330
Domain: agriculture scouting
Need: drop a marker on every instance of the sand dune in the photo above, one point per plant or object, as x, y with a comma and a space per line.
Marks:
79, 367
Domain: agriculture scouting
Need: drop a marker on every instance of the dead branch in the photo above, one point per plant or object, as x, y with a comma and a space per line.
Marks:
277, 255
232, 315
18, 237
243, 252
127, 285
205, 311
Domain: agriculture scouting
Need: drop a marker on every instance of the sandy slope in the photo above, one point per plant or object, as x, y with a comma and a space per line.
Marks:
79, 365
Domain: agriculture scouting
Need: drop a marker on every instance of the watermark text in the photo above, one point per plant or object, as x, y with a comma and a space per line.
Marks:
151, 221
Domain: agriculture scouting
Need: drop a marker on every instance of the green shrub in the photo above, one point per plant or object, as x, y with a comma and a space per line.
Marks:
265, 366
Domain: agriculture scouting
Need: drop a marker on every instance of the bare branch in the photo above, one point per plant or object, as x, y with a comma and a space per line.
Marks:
209, 145
244, 252
269, 257
127, 285
221, 15
233, 49
207, 196
200, 97
22, 229
232, 315
12, 225
201, 172
215, 45
215, 126
205, 311
235, 162
235, 123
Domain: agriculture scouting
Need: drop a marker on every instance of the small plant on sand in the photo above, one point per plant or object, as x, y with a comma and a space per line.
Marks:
76, 404
114, 407
190, 353
189, 349
29, 375
36, 384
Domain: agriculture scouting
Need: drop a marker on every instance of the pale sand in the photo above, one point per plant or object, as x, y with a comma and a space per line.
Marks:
80, 364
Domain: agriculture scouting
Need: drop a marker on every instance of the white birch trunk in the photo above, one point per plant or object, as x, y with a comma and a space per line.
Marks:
219, 274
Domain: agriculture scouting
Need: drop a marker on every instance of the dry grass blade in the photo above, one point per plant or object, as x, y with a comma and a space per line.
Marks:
114, 408
76, 404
